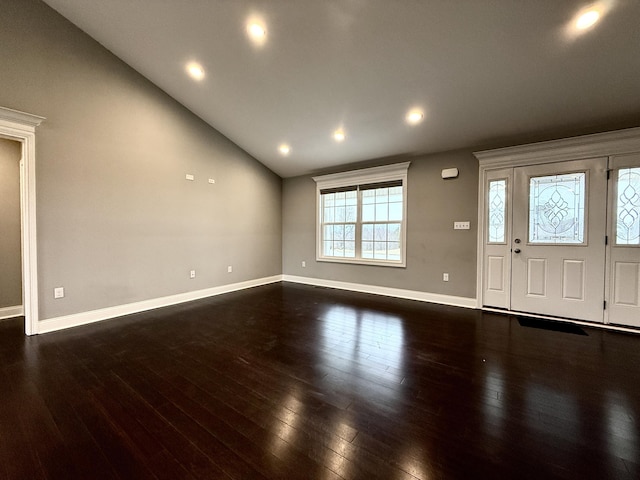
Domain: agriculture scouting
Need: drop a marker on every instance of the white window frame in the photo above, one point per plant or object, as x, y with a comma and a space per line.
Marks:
365, 176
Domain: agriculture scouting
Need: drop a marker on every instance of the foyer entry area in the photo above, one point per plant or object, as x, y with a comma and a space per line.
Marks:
560, 228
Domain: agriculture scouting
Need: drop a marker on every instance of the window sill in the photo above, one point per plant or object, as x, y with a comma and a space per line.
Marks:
357, 261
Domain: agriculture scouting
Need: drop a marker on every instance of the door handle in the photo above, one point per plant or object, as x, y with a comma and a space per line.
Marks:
517, 250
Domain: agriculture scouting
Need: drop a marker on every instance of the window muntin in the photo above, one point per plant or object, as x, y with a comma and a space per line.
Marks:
361, 216
557, 209
628, 206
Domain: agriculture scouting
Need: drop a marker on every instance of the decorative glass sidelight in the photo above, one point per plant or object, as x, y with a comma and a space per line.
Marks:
628, 207
557, 209
497, 211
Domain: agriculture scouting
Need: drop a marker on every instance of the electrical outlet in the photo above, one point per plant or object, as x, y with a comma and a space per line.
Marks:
229, 269
189, 177
212, 181
304, 264
58, 292
192, 274
445, 277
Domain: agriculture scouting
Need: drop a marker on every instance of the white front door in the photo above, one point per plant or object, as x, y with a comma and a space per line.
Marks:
558, 239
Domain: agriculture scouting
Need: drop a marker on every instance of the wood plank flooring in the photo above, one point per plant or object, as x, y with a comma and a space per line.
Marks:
294, 382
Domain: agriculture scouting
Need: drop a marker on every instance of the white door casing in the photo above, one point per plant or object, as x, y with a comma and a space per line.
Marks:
21, 127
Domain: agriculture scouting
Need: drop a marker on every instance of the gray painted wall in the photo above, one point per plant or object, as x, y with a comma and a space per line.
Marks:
10, 255
117, 221
433, 247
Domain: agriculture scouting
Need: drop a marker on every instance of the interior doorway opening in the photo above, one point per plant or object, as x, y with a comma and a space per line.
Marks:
20, 127
11, 282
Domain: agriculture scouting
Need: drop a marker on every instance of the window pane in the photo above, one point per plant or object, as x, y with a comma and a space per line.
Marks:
350, 232
395, 194
340, 214
628, 207
380, 250
367, 232
351, 213
328, 215
328, 232
557, 209
382, 195
368, 213
393, 232
327, 249
351, 197
368, 197
367, 249
340, 199
395, 211
382, 212
338, 232
329, 199
497, 211
350, 249
394, 251
380, 233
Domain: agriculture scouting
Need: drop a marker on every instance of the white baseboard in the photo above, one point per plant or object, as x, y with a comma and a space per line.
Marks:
84, 318
10, 312
386, 291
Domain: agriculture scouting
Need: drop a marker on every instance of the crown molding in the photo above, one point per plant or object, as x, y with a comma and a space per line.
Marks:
586, 146
25, 119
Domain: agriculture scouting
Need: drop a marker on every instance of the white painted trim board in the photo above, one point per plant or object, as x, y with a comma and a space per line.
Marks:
386, 291
10, 312
84, 318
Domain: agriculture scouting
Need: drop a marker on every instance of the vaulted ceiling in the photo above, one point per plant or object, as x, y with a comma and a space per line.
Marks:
479, 71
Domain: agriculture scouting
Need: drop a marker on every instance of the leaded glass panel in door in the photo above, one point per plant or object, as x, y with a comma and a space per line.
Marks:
628, 207
497, 210
557, 209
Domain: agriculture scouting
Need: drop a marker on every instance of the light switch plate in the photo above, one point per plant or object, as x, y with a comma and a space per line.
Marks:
461, 225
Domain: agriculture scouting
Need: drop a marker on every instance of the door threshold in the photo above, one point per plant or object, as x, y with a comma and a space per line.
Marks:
584, 323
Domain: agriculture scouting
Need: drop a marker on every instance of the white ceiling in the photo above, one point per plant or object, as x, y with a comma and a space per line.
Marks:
482, 70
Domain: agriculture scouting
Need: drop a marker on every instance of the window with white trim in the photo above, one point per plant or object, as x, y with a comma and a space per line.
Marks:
362, 216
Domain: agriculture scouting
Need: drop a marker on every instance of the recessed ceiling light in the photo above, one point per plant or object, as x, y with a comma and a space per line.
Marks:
414, 117
284, 149
195, 70
587, 19
257, 32
339, 135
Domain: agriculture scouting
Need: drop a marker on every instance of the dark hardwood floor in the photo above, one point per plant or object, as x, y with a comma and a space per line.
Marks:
296, 382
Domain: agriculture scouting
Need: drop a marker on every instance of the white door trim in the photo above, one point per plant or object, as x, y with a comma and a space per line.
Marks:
20, 126
575, 148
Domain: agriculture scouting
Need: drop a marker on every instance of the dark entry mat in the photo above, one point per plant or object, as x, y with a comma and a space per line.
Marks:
551, 325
